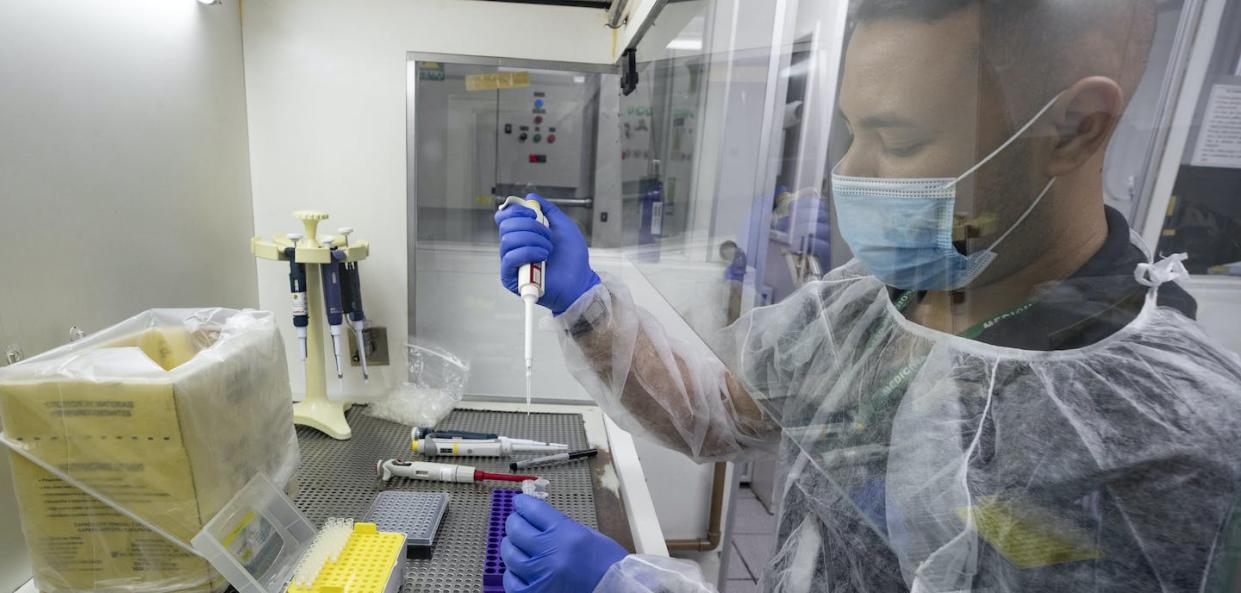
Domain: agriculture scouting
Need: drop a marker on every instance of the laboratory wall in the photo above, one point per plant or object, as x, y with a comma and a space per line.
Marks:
326, 92
124, 175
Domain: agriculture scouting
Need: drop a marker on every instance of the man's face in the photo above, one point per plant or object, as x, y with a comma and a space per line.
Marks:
918, 104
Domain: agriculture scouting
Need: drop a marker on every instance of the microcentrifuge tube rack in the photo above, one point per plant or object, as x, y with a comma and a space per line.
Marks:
315, 410
493, 565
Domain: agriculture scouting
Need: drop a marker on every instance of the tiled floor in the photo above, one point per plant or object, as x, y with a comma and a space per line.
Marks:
754, 541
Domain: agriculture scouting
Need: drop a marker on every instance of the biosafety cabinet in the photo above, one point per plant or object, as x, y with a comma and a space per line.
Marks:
683, 182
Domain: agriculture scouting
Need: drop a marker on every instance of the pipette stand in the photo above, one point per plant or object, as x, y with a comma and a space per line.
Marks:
315, 410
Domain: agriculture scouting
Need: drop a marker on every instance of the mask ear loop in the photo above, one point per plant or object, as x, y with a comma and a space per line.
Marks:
1023, 216
1021, 132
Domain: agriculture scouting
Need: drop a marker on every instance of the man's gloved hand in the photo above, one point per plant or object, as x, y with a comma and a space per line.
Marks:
523, 240
807, 220
547, 552
804, 219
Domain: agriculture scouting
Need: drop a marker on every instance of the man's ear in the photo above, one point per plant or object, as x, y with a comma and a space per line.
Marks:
1084, 119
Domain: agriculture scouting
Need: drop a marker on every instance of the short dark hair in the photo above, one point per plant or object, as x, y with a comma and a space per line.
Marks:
1031, 46
916, 9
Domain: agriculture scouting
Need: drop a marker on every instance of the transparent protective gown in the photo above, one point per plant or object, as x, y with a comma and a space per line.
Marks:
915, 460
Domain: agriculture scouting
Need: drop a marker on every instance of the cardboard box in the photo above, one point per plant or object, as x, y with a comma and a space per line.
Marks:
166, 416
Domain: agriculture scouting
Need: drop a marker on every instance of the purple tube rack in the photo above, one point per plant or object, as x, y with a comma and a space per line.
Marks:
493, 565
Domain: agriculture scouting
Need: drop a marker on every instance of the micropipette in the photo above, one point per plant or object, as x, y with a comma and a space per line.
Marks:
332, 302
351, 288
530, 287
422, 432
297, 286
440, 472
499, 447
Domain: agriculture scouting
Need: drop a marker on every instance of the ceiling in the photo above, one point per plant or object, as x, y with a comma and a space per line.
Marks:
600, 4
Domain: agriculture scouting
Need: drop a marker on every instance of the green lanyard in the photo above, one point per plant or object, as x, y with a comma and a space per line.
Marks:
901, 379
973, 331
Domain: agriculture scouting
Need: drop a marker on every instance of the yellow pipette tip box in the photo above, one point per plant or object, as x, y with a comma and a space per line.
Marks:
261, 543
372, 561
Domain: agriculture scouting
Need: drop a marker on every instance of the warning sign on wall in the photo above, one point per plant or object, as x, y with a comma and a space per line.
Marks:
1219, 139
497, 80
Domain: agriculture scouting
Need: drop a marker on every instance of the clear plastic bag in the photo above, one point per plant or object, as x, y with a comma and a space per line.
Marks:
126, 442
435, 383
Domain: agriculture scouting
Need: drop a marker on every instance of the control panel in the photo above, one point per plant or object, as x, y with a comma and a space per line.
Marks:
541, 139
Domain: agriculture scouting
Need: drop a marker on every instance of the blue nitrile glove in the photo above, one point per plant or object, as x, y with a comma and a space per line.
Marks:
807, 216
547, 552
749, 234
523, 240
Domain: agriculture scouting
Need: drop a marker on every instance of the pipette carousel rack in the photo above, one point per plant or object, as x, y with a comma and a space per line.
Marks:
315, 410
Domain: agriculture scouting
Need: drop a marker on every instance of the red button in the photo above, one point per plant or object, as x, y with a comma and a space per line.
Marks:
538, 119
551, 138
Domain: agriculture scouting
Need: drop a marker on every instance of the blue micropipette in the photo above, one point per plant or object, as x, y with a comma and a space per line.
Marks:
351, 286
332, 302
297, 287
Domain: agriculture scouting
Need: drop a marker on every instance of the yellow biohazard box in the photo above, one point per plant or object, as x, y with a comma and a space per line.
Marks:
124, 444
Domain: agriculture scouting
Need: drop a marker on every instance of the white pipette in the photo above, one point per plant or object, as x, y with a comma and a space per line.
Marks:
530, 287
529, 303
497, 447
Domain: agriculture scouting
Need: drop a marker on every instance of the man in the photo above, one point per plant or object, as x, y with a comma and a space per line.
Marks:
1001, 392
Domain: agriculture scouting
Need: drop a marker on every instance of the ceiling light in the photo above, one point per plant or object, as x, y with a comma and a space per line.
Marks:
685, 44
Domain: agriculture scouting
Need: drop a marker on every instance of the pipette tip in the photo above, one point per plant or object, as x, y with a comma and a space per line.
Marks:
529, 383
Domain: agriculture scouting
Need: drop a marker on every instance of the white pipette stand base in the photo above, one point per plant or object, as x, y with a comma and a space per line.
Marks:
325, 416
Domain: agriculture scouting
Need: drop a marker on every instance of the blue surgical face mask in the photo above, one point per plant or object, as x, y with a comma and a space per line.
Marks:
901, 229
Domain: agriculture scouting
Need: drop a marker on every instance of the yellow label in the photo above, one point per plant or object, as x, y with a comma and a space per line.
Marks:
241, 526
497, 80
414, 446
1027, 535
456, 447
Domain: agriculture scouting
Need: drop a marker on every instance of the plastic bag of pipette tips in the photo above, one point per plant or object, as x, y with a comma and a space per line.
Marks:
435, 383
125, 443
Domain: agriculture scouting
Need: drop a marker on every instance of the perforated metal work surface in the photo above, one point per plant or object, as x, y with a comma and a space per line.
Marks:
337, 479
